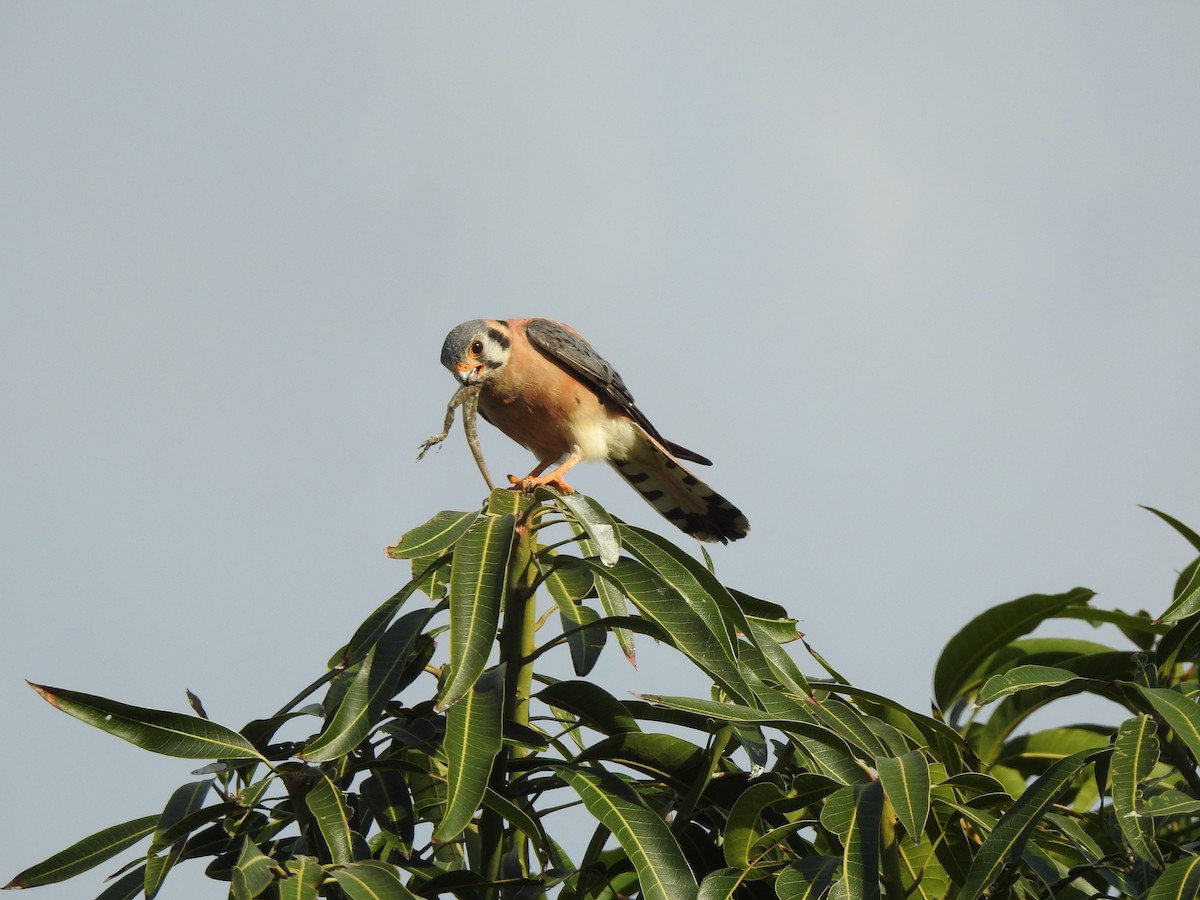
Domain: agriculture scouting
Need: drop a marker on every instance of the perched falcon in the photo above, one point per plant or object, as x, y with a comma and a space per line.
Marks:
546, 388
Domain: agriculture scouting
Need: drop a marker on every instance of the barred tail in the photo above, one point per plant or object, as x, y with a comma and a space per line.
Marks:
680, 496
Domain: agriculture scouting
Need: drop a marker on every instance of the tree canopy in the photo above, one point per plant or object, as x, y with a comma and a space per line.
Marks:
442, 757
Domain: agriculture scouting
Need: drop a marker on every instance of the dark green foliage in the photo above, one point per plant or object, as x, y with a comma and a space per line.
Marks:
442, 746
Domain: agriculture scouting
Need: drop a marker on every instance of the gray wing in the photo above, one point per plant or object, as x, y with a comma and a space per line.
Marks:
576, 354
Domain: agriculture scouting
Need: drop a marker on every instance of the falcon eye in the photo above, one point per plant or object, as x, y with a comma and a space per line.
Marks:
476, 348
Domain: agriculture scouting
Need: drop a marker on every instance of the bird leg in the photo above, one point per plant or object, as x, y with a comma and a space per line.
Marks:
554, 480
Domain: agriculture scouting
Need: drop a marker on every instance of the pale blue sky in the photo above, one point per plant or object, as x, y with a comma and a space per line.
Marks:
922, 280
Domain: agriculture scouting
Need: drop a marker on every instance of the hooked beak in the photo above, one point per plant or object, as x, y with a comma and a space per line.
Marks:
468, 373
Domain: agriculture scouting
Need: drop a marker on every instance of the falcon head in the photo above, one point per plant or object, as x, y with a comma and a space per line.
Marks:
474, 350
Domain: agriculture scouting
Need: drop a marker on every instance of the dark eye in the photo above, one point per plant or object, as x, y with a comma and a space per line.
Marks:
476, 348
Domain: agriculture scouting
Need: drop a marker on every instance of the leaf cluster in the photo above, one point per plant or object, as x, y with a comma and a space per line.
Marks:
443, 758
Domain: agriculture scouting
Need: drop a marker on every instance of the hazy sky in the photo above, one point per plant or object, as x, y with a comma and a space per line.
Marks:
924, 281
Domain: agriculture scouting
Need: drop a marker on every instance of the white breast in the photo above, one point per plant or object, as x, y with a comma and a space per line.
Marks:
608, 437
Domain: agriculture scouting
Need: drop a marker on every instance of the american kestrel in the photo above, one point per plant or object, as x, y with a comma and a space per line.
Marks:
546, 388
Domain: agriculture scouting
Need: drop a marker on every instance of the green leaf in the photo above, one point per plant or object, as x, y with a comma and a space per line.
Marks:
1187, 578
569, 580
432, 574
85, 854
807, 879
1031, 754
1179, 642
214, 840
478, 580
509, 502
594, 706
721, 884
768, 661
1138, 627
165, 837
754, 744
156, 869
742, 829
1179, 881
773, 631
168, 733
1188, 601
522, 820
473, 738
1007, 839
1187, 595
585, 638
427, 782
128, 887
722, 711
461, 882
1135, 753
972, 783
922, 729
259, 732
616, 605
252, 872
612, 601
371, 879
387, 797
687, 631
304, 881
664, 757
596, 523
860, 859
374, 684
1022, 678
764, 611
251, 794
1188, 534
837, 812
924, 877
1168, 803
965, 657
185, 802
905, 780
842, 719
814, 736
371, 630
324, 801
662, 870
710, 599
435, 537
1097, 667
1180, 712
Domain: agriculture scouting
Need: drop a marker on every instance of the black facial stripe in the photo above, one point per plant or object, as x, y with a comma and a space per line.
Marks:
499, 337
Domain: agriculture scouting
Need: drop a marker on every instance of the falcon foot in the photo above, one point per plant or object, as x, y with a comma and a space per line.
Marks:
529, 483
